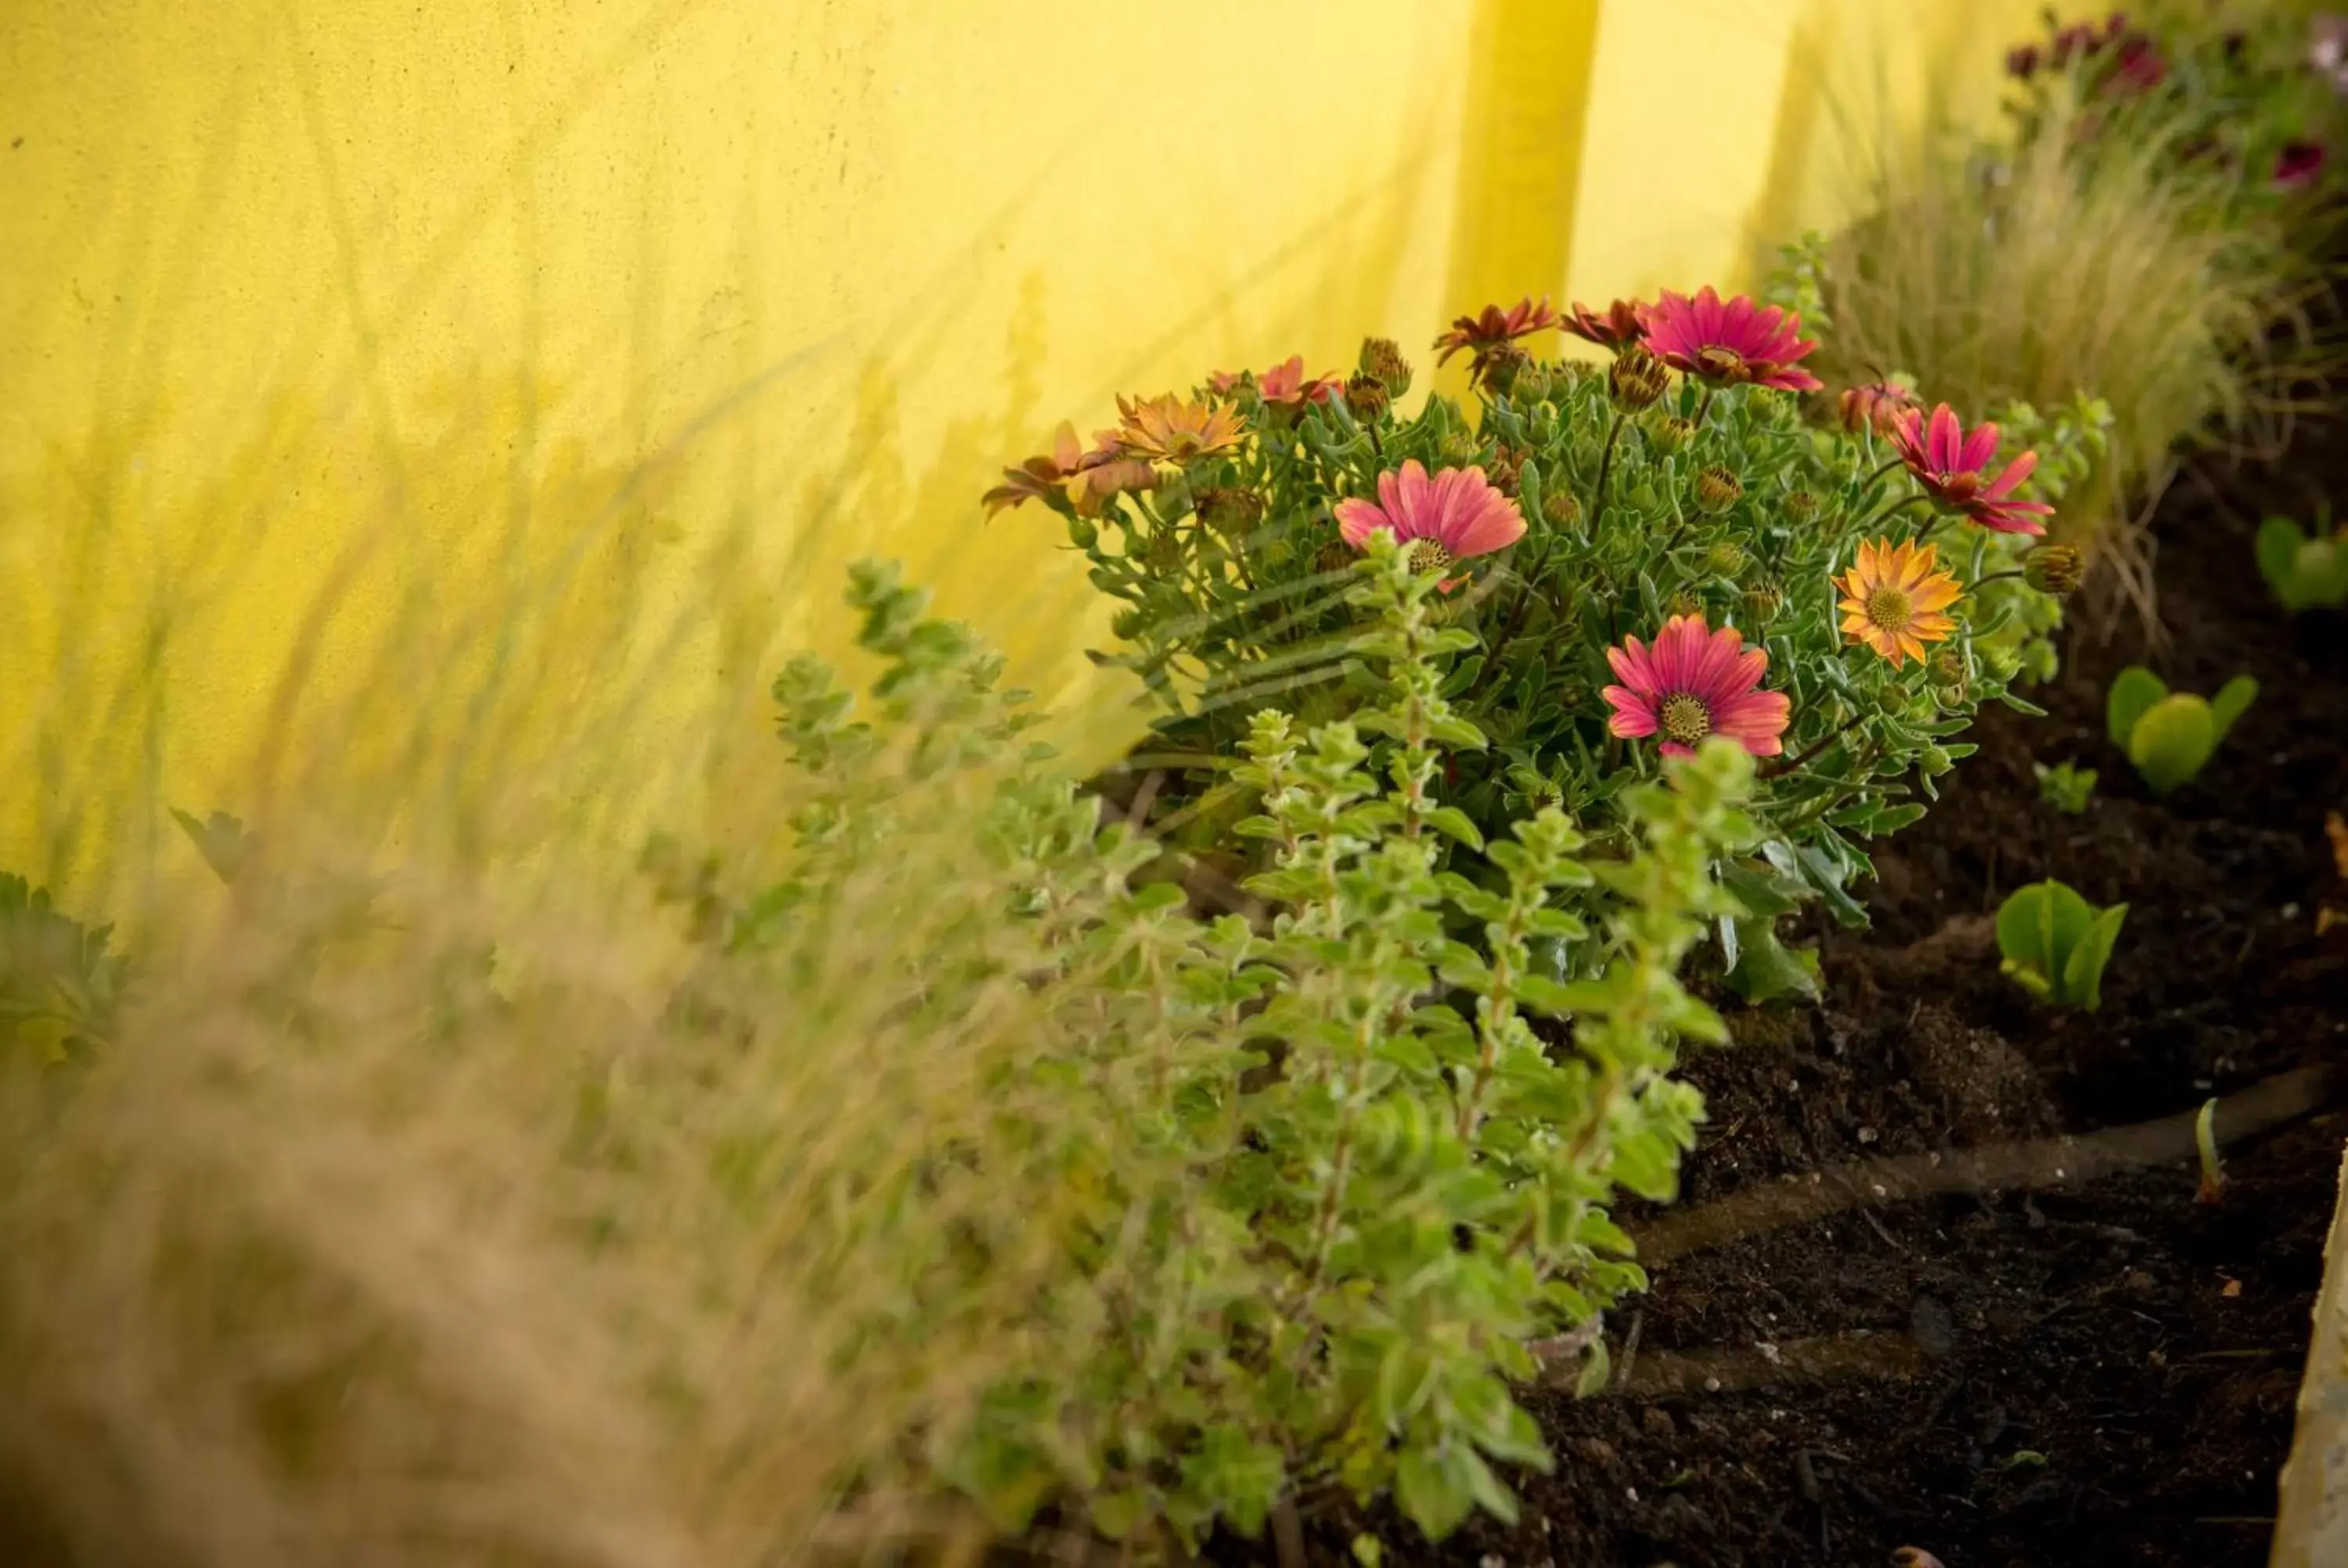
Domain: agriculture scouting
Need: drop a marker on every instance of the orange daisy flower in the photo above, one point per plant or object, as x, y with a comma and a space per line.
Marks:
1169, 430
1892, 597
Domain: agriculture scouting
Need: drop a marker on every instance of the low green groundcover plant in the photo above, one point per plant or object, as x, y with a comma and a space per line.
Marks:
1305, 1191
1632, 558
2171, 735
2306, 570
2055, 944
2066, 786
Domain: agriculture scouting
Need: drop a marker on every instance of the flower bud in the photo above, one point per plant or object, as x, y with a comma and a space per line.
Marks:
1383, 362
1672, 435
1367, 396
1685, 603
1717, 489
2054, 569
1335, 556
1936, 761
1083, 533
1229, 510
1164, 551
1503, 362
1800, 506
1125, 625
1726, 558
1534, 383
1637, 379
1504, 469
1760, 606
1459, 450
1560, 509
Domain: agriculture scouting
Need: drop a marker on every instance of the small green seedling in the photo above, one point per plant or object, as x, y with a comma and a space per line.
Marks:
2171, 735
2204, 1140
2306, 571
2056, 943
2065, 787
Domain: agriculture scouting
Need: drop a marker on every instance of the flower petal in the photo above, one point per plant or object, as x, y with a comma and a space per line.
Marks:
1358, 519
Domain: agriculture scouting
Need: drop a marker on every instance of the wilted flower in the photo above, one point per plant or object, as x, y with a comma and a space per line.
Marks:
1229, 509
1501, 367
2057, 569
2298, 165
1892, 597
1952, 467
1730, 341
1488, 329
1381, 357
1879, 403
1717, 489
1507, 468
1637, 379
1447, 518
1170, 430
1086, 478
1618, 328
1693, 682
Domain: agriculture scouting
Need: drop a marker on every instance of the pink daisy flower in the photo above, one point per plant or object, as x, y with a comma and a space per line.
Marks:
1447, 518
1954, 467
1734, 341
1693, 682
1283, 384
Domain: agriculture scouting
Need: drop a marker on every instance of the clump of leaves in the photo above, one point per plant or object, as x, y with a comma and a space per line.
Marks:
2171, 735
2066, 786
2055, 944
1294, 1200
2306, 570
60, 985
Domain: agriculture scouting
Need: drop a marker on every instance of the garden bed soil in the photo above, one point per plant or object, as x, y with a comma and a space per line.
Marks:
1909, 1298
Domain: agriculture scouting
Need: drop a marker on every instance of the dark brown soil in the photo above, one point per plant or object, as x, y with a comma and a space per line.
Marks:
2059, 1371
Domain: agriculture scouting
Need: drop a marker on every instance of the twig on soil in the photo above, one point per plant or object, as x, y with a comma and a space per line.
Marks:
2041, 1164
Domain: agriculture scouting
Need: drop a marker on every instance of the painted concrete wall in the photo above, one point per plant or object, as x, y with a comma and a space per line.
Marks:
417, 403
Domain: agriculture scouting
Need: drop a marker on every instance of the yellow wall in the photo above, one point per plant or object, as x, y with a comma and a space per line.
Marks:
470, 393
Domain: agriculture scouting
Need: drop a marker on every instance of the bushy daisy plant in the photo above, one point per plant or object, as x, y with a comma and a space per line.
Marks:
1687, 541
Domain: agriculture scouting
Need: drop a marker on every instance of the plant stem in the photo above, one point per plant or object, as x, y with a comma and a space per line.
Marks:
1811, 753
1886, 514
1605, 466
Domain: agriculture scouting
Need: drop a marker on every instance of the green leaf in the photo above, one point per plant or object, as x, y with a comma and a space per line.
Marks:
1454, 825
1432, 1494
1767, 971
2278, 548
2171, 740
2083, 974
2233, 699
2133, 691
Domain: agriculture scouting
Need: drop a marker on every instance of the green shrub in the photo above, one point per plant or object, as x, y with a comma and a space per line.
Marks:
1305, 1193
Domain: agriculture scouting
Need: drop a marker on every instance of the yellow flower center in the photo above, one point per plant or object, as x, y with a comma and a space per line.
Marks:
1725, 363
1685, 718
1428, 555
1890, 608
